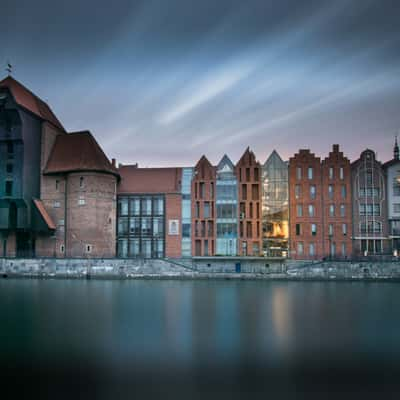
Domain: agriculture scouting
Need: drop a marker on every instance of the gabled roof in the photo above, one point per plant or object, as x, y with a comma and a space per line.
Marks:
225, 161
248, 158
136, 180
29, 101
274, 156
78, 151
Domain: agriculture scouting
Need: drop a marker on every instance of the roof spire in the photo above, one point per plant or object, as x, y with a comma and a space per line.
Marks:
396, 149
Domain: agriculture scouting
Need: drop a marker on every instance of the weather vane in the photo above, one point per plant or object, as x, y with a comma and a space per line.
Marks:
9, 68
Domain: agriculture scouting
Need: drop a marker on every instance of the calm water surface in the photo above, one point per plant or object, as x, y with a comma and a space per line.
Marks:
182, 324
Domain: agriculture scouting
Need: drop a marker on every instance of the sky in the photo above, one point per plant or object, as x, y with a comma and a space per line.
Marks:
162, 82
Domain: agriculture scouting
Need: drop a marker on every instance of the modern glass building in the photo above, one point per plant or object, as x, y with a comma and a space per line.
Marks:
186, 211
141, 226
226, 204
275, 206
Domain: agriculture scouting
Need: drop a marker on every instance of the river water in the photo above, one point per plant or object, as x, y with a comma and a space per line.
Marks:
227, 336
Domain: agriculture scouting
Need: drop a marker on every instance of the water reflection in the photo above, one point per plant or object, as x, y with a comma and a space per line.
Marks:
187, 322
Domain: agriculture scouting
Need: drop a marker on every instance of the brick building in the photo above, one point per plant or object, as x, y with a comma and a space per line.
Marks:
305, 206
337, 206
149, 212
203, 209
248, 172
58, 191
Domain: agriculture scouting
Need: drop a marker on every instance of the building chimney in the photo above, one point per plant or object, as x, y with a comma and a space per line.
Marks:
113, 162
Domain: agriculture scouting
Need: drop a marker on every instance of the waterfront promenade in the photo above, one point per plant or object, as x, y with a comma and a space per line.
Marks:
209, 268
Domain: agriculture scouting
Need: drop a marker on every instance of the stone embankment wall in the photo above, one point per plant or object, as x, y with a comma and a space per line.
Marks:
252, 268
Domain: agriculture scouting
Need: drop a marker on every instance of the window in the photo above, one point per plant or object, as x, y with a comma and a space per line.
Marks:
331, 210
333, 249
344, 249
344, 229
298, 229
300, 248
342, 210
212, 190
158, 206
312, 249
330, 172
396, 208
254, 192
313, 229
123, 206
81, 201
135, 206
298, 173
206, 209
369, 192
8, 188
56, 204
62, 248
256, 174
146, 226
297, 191
330, 230
313, 192
299, 210
134, 226
81, 182
396, 186
310, 173
247, 174
202, 191
341, 173
146, 206
311, 210
370, 227
88, 248
244, 191
197, 210
9, 168
368, 178
343, 191
158, 227
370, 209
330, 191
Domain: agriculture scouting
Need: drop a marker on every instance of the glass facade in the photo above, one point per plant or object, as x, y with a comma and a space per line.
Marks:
186, 211
226, 205
275, 207
141, 226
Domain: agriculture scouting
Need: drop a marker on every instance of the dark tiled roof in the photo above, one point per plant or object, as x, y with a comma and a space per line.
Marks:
44, 214
78, 151
149, 180
26, 99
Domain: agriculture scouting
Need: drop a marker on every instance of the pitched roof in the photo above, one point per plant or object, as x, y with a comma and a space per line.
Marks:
78, 151
149, 180
26, 99
44, 214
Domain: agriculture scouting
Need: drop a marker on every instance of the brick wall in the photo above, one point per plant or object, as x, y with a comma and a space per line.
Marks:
173, 211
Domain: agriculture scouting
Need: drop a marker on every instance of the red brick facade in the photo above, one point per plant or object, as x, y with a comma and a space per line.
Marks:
248, 172
203, 209
173, 212
305, 206
336, 191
